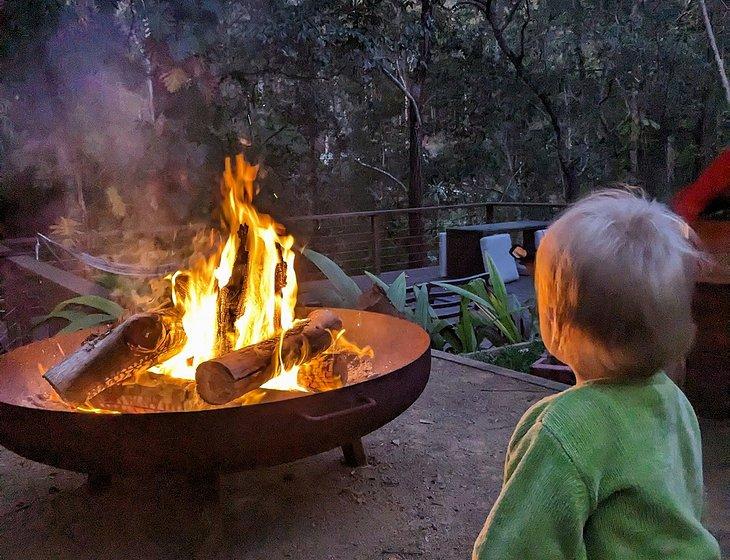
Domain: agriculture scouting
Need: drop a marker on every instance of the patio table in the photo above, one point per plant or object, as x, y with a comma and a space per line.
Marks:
463, 253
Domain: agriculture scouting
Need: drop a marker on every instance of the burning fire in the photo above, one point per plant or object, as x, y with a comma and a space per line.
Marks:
267, 304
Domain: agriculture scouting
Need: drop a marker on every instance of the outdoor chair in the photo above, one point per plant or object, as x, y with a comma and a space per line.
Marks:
442, 254
498, 247
539, 234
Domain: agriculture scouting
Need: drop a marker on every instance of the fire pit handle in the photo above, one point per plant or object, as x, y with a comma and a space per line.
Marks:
365, 404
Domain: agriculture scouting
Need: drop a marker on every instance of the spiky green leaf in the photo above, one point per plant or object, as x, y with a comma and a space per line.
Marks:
107, 306
87, 321
341, 282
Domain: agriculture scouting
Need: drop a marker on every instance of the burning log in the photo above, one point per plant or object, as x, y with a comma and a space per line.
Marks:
319, 374
335, 369
230, 376
231, 296
138, 343
279, 282
150, 393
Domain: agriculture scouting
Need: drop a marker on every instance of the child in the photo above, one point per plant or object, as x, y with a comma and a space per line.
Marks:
611, 468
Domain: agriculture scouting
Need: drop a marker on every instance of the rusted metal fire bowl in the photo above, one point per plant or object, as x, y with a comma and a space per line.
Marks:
218, 440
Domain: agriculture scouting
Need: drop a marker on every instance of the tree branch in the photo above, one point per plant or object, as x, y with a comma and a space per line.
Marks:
713, 44
510, 15
274, 134
523, 27
383, 171
402, 86
516, 60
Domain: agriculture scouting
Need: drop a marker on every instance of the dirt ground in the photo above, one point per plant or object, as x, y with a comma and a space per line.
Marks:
434, 473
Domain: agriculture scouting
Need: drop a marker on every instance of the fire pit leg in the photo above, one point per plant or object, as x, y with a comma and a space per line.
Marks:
354, 454
206, 485
98, 482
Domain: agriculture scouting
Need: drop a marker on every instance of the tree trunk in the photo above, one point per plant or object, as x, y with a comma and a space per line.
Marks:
570, 178
700, 130
312, 163
634, 134
670, 164
716, 51
417, 253
416, 256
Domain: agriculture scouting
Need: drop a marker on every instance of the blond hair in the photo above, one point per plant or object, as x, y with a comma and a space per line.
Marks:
614, 279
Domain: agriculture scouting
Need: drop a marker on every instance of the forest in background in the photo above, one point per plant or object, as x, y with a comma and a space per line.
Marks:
116, 113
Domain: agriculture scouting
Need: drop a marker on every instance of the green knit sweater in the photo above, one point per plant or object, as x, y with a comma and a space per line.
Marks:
603, 471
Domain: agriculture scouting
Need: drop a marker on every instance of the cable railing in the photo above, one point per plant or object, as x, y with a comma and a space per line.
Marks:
375, 240
385, 240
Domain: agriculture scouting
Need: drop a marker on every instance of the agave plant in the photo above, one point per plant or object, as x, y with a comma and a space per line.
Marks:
495, 315
84, 312
347, 292
424, 315
501, 314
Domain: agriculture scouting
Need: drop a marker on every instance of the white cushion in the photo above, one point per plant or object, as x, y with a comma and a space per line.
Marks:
498, 247
539, 234
442, 254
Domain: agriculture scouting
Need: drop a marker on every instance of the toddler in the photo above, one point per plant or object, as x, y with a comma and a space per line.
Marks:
610, 469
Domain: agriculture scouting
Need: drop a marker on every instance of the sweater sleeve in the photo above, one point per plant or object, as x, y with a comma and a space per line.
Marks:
543, 505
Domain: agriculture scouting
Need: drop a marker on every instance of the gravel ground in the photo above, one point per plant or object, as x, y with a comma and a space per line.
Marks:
433, 474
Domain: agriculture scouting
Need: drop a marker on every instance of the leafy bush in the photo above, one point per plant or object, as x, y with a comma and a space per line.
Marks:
485, 314
506, 320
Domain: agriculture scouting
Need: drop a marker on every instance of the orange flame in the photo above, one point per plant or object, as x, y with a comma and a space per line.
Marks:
265, 309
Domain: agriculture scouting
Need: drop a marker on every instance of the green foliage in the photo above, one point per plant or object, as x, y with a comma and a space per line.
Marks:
496, 315
76, 312
396, 292
345, 286
301, 87
514, 358
500, 316
492, 315
424, 315
107, 306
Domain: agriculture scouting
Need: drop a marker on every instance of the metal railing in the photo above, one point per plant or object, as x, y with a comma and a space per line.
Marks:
383, 240
376, 240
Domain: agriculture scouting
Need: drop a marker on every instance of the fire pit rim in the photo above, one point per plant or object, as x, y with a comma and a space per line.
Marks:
225, 439
417, 332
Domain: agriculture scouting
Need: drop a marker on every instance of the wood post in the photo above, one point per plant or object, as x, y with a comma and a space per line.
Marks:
376, 230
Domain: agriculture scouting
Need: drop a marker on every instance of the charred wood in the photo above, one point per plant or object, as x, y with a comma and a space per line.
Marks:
232, 375
138, 343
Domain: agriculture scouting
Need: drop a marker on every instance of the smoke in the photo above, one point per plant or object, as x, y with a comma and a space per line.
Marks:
78, 131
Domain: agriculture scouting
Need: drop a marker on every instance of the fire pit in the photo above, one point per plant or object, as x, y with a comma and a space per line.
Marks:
284, 427
221, 373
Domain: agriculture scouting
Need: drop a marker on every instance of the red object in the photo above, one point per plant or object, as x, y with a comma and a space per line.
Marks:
713, 182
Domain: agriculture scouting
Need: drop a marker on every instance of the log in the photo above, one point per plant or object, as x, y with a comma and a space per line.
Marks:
138, 343
319, 374
232, 375
231, 296
279, 282
149, 392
